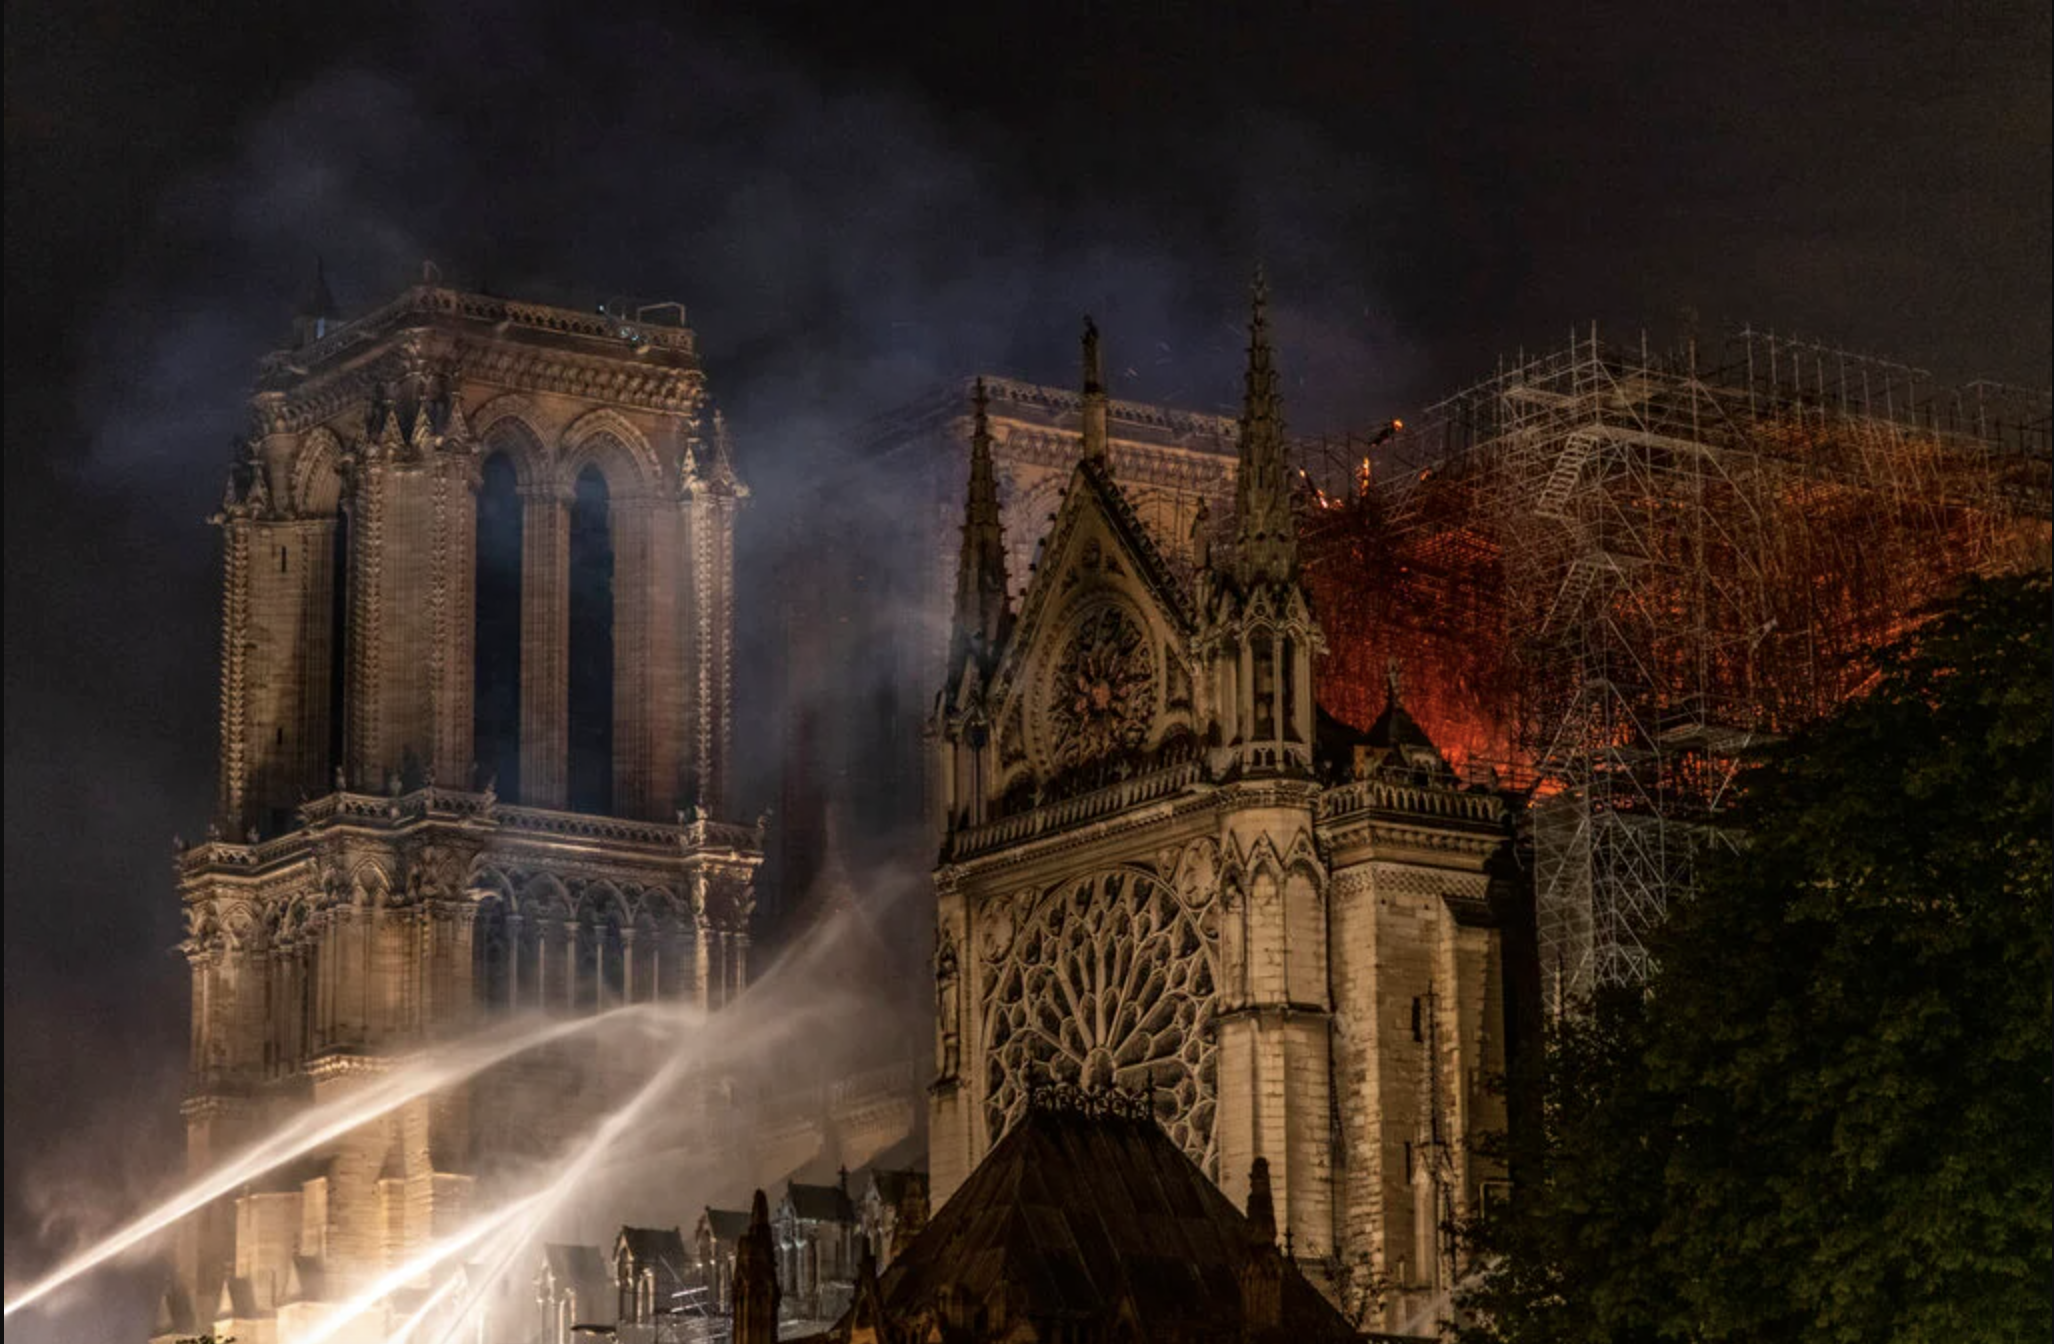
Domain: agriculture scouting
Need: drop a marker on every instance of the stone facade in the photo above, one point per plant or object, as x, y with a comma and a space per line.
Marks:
1164, 870
887, 618
475, 703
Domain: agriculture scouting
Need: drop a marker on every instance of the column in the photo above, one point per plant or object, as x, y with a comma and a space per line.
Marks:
702, 964
636, 694
545, 645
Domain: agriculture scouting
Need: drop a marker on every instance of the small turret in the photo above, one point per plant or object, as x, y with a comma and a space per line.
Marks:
316, 315
1095, 404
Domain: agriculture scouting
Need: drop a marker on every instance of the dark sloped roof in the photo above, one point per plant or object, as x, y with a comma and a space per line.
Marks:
1397, 728
653, 1246
726, 1225
820, 1203
1076, 1213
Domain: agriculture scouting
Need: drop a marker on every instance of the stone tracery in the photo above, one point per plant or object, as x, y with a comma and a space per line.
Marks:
1108, 980
1103, 691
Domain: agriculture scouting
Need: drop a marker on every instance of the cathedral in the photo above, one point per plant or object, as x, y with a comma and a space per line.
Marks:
477, 696
1165, 872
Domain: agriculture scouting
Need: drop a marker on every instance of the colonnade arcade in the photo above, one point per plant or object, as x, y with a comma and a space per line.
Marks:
361, 963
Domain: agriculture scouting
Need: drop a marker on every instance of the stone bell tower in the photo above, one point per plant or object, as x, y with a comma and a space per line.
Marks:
475, 728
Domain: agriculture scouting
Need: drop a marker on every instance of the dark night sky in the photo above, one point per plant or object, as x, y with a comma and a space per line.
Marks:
854, 206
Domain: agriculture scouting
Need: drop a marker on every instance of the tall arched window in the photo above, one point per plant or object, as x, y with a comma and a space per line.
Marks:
491, 953
591, 647
496, 684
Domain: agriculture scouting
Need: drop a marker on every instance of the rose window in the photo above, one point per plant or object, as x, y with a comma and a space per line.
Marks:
1106, 981
1103, 691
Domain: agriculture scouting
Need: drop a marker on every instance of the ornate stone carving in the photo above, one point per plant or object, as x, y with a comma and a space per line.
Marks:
1108, 981
947, 987
1104, 688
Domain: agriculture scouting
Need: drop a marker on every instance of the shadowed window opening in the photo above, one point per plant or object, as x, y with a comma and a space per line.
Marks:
591, 647
496, 699
1265, 690
492, 954
1289, 677
338, 639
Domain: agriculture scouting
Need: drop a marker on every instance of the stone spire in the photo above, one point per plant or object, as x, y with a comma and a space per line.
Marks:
720, 465
317, 312
1265, 539
1262, 1267
981, 564
1094, 396
755, 1285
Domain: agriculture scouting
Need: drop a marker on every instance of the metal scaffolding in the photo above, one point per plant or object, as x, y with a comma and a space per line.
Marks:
1616, 570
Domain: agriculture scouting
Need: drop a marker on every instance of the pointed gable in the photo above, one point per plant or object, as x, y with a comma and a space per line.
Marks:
1099, 564
1099, 1217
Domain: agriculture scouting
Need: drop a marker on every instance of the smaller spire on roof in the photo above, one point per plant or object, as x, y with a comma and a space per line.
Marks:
721, 470
316, 313
1095, 405
981, 608
1266, 539
1262, 1211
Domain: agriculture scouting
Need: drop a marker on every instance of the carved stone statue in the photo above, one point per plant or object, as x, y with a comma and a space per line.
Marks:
948, 1042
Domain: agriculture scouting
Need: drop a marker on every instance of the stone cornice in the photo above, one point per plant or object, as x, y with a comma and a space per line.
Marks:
549, 836
1052, 408
1178, 467
425, 304
1087, 816
304, 397
1408, 841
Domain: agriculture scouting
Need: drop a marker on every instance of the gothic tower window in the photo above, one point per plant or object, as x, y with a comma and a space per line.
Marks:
492, 953
591, 646
1265, 688
496, 714
1288, 675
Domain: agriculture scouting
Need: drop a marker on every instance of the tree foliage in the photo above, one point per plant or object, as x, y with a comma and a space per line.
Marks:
1831, 1116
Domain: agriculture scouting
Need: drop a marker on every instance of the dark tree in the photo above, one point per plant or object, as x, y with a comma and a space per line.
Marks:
1831, 1117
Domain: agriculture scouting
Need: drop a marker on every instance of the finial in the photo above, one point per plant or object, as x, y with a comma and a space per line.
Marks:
1094, 395
1265, 535
1262, 1211
1392, 681
981, 603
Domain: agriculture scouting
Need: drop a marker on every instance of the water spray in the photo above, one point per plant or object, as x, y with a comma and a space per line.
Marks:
400, 1276
328, 1121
